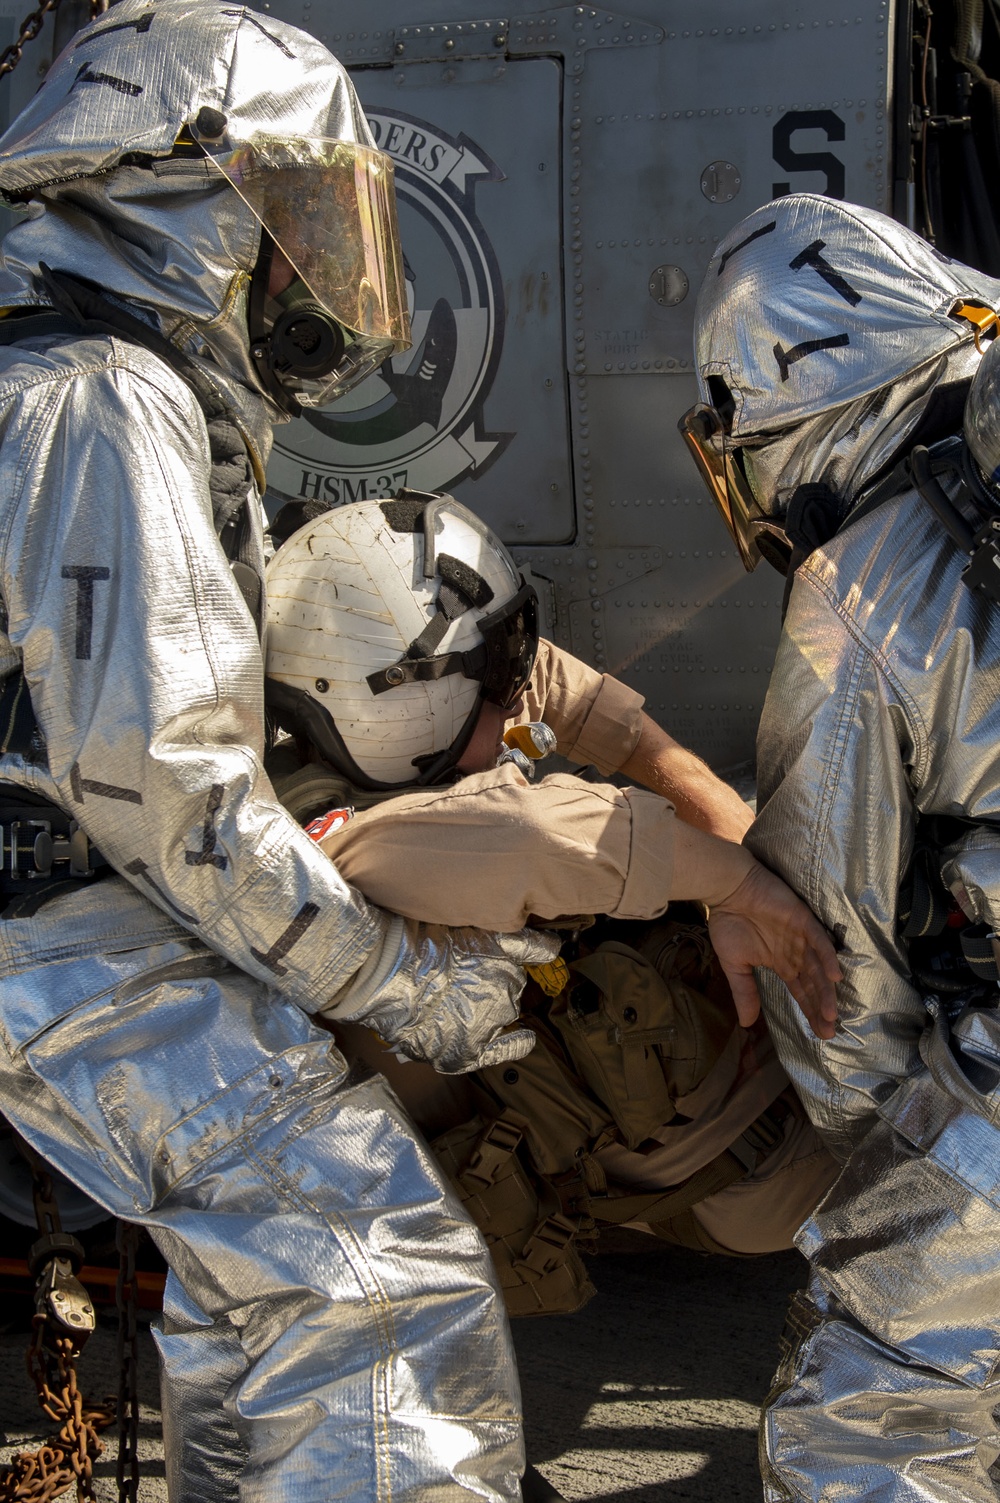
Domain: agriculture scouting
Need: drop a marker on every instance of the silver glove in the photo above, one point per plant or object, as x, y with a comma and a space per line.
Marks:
524, 745
445, 995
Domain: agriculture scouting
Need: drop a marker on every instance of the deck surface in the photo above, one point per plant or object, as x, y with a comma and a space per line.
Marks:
649, 1395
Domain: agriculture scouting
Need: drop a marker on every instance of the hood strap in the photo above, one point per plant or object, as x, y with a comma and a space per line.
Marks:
814, 514
81, 302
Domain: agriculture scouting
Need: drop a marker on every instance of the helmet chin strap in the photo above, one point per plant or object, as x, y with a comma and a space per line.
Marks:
304, 342
297, 712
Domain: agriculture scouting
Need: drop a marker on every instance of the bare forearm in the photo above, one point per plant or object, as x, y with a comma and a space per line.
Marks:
701, 799
706, 869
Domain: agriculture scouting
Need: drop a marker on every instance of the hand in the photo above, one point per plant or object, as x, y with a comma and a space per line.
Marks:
499, 963
763, 923
447, 996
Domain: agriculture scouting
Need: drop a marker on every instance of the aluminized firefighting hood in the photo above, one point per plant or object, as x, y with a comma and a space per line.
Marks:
830, 325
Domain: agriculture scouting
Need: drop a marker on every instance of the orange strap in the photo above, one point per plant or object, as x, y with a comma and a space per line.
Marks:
982, 319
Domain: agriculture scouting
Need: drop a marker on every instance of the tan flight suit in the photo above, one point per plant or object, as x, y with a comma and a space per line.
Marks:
493, 849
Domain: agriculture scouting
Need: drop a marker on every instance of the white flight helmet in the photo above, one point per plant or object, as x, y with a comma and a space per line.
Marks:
388, 622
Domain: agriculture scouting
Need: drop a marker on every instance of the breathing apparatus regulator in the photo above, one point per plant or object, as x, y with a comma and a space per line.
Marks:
292, 336
328, 233
389, 623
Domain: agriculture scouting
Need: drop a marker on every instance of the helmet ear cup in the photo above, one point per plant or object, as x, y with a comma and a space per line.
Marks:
306, 342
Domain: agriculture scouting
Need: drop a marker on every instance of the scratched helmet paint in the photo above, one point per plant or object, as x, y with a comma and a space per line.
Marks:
820, 329
388, 623
264, 112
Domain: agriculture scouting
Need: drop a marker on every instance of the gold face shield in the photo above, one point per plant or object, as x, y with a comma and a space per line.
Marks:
330, 207
719, 464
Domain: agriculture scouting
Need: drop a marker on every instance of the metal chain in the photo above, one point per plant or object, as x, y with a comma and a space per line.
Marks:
42, 1475
127, 1469
38, 1476
32, 25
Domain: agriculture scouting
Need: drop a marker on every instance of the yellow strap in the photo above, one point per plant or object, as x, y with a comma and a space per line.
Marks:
553, 977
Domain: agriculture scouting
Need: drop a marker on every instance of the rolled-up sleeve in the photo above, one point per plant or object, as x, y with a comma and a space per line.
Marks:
596, 718
493, 851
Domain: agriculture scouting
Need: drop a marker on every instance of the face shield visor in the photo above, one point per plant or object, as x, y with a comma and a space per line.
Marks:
510, 639
329, 207
720, 465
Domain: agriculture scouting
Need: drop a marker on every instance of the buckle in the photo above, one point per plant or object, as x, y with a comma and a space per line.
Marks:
28, 850
495, 1147
573, 1192
759, 1139
763, 1135
540, 1254
77, 850
982, 572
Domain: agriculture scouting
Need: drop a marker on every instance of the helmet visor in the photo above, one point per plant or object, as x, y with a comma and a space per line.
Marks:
510, 636
510, 633
330, 208
718, 462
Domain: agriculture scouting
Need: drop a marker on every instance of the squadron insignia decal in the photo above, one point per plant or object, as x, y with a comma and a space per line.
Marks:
419, 420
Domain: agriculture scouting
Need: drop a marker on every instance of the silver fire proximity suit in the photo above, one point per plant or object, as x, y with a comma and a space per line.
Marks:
835, 340
331, 1327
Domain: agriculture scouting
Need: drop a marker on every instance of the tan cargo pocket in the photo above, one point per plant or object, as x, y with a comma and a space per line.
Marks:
560, 1120
681, 953
638, 1041
539, 1269
615, 1018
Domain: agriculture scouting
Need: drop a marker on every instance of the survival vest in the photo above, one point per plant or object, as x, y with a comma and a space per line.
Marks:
630, 1031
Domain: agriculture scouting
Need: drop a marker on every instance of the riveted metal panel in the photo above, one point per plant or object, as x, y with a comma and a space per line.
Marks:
699, 639
659, 128
448, 40
678, 142
481, 397
677, 619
